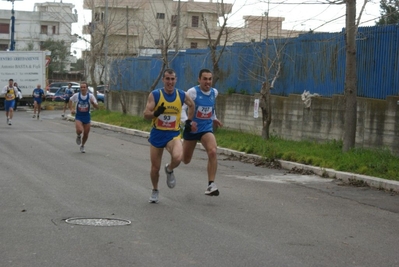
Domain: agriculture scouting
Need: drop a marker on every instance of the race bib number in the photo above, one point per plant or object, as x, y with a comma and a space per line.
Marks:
204, 113
83, 107
166, 121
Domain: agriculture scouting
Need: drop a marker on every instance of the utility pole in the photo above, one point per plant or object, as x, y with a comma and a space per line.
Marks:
350, 116
12, 41
127, 31
177, 27
106, 52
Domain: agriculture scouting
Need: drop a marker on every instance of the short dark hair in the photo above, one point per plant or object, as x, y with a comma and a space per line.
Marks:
87, 85
10, 80
169, 71
202, 71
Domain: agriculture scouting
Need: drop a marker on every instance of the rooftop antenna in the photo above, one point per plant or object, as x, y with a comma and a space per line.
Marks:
12, 41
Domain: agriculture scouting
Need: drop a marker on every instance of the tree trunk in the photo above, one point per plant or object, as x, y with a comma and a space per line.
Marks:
165, 65
215, 63
265, 105
350, 117
159, 77
122, 101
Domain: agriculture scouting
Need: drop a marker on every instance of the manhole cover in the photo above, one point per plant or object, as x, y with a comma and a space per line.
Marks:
98, 221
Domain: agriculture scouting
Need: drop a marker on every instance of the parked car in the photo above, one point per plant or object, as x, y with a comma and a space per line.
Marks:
60, 84
59, 94
53, 87
101, 88
50, 93
100, 97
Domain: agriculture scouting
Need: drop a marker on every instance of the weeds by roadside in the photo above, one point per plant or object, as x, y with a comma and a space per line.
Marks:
377, 162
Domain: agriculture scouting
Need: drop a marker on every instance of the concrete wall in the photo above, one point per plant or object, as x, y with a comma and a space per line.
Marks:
377, 120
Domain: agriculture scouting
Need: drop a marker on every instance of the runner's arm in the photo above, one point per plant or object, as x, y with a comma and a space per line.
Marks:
190, 106
149, 109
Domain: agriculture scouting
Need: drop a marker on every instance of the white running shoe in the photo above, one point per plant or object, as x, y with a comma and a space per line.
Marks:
170, 177
82, 149
9, 122
78, 140
212, 190
34, 116
154, 196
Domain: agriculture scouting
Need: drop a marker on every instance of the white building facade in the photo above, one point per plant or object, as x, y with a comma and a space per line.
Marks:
50, 20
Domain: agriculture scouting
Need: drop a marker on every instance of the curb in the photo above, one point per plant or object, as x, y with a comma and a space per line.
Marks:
346, 177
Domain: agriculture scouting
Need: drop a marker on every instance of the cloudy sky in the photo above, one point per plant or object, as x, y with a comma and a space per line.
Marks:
306, 14
298, 14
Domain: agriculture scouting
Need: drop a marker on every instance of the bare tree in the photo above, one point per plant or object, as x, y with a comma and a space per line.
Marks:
267, 65
107, 22
215, 39
265, 100
160, 29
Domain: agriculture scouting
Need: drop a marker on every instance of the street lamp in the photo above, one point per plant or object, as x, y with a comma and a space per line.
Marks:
12, 41
81, 38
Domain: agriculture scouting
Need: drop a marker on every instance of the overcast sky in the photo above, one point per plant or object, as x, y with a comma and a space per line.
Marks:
298, 14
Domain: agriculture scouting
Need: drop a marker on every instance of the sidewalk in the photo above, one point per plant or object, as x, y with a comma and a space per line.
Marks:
346, 177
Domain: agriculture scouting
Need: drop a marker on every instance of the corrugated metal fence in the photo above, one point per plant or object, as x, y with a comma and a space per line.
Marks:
314, 62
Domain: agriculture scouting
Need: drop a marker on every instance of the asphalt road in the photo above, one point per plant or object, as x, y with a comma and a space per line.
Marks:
263, 217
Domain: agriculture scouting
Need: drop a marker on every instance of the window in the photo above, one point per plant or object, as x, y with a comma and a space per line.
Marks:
92, 27
193, 45
99, 16
195, 21
3, 47
42, 9
43, 29
158, 42
174, 20
54, 29
4, 28
160, 15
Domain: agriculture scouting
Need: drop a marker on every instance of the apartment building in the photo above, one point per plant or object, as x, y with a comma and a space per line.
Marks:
133, 26
259, 28
50, 20
142, 27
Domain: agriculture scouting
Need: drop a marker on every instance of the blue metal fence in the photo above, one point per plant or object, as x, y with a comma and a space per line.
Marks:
314, 62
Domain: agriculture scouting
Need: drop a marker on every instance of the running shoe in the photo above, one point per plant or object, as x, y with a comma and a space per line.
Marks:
212, 190
82, 149
63, 115
78, 140
9, 122
34, 116
154, 196
170, 177
37, 116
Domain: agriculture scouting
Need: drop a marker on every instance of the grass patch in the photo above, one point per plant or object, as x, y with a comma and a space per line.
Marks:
373, 162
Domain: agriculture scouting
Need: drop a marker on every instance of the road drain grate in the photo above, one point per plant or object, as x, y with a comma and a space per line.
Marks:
98, 221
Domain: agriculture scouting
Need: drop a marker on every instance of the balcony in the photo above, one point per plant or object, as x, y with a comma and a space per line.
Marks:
117, 29
207, 8
199, 34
